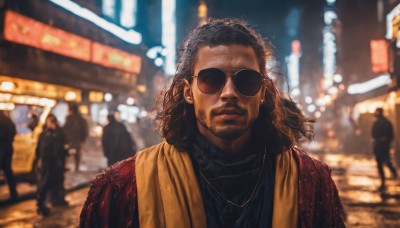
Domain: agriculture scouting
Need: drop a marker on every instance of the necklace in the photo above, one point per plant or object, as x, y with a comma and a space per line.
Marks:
253, 192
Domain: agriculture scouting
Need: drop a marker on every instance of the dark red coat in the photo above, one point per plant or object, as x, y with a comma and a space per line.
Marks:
112, 199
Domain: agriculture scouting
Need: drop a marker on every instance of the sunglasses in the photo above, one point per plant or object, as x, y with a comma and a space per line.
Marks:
212, 80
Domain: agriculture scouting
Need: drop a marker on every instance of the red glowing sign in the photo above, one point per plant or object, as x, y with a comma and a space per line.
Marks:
114, 58
379, 56
23, 30
296, 47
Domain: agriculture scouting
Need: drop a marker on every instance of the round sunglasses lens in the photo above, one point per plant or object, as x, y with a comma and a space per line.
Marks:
210, 81
248, 82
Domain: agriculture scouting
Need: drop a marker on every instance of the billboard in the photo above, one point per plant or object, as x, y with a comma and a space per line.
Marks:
115, 58
24, 30
379, 56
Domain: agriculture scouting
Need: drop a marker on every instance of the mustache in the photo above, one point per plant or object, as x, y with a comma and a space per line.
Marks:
231, 106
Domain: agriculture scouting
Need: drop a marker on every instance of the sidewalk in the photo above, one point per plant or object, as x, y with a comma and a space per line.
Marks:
92, 163
357, 179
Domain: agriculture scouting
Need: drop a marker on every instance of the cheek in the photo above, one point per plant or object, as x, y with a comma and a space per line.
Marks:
201, 115
202, 106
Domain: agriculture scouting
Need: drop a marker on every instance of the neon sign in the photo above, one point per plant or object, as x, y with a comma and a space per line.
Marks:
24, 30
114, 58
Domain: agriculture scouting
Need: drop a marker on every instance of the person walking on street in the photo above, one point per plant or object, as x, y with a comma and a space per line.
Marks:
116, 141
7, 134
51, 152
76, 131
382, 135
228, 159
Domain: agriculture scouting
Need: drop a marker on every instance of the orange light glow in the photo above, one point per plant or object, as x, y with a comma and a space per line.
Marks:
24, 30
114, 58
379, 56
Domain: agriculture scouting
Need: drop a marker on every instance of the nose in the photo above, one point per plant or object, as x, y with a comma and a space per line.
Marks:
229, 91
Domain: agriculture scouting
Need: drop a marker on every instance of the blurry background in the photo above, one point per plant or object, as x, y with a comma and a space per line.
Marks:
338, 59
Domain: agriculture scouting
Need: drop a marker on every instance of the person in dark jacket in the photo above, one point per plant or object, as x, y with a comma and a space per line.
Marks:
50, 150
229, 157
382, 134
7, 133
76, 131
116, 141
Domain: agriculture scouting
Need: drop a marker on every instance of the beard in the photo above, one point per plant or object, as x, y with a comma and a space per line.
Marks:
228, 131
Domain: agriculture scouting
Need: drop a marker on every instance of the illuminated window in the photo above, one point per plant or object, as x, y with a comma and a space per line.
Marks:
128, 13
130, 36
169, 34
109, 8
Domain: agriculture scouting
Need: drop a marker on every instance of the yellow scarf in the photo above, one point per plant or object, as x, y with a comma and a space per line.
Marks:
169, 195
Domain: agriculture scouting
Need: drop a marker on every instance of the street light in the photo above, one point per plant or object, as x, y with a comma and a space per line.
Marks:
108, 97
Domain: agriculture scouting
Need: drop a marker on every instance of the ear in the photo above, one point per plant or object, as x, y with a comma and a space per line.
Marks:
187, 92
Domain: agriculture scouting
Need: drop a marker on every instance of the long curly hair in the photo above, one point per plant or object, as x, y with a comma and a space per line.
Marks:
176, 120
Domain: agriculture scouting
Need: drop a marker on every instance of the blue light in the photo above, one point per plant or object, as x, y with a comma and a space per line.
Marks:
153, 52
169, 34
158, 61
108, 8
331, 2
128, 13
129, 36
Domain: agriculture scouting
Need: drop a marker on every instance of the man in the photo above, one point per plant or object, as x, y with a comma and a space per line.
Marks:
116, 141
7, 133
76, 132
382, 134
228, 158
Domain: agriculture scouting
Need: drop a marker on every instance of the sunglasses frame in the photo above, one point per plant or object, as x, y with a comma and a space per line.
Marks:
233, 78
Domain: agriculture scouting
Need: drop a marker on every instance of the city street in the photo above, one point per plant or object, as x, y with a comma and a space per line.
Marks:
85, 84
355, 176
24, 214
357, 179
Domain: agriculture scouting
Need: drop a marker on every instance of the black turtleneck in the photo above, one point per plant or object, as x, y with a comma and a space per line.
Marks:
223, 177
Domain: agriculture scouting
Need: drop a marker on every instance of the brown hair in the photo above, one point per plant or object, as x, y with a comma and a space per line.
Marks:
177, 122
301, 126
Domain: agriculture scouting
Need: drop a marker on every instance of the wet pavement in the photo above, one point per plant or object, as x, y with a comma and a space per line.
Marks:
357, 179
23, 214
355, 175
92, 162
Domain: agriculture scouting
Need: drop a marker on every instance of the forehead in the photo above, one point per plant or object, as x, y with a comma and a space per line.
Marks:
226, 57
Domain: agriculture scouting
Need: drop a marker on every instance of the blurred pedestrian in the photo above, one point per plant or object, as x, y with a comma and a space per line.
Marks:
51, 152
382, 135
33, 121
117, 142
7, 133
76, 131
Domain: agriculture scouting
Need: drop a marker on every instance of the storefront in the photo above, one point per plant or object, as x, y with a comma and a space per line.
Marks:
382, 91
364, 114
49, 57
28, 103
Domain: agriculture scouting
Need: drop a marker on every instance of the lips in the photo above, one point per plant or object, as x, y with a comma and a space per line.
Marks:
229, 112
